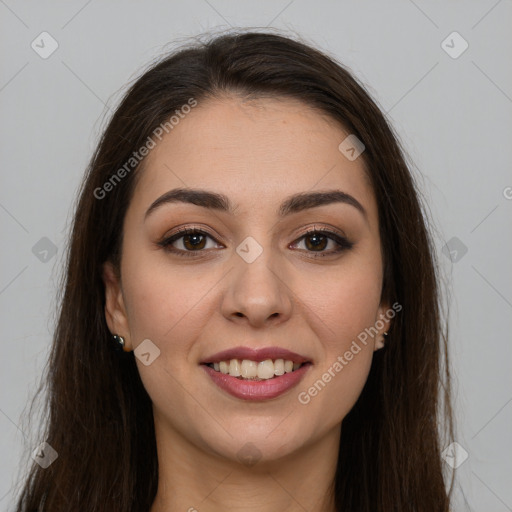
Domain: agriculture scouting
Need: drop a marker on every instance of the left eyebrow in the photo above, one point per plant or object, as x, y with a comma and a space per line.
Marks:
293, 204
306, 200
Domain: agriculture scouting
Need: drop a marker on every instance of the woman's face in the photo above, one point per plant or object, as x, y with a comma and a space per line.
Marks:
251, 279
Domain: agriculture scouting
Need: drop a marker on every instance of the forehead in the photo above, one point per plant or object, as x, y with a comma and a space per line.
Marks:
256, 152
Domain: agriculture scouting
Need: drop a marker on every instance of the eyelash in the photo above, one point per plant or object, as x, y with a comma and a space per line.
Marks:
343, 243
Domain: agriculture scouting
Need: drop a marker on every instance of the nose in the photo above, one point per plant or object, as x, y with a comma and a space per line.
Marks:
257, 293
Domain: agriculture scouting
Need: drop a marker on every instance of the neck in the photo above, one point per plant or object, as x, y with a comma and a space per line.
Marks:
193, 480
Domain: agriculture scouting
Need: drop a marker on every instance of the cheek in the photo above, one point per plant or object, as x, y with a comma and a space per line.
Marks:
168, 304
344, 301
343, 308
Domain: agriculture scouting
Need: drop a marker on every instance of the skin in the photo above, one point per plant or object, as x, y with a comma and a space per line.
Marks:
257, 153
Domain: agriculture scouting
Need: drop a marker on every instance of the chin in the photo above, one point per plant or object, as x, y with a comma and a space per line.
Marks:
257, 443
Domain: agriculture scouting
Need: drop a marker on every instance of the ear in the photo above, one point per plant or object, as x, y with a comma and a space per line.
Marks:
382, 324
115, 311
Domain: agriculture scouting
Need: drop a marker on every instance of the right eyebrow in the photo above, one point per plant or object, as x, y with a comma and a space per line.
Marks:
211, 200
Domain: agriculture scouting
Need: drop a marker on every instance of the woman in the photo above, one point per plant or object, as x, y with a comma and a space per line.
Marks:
249, 234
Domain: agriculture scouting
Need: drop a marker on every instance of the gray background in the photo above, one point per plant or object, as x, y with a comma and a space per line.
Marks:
452, 114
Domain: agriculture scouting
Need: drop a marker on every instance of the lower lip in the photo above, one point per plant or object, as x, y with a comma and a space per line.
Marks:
260, 389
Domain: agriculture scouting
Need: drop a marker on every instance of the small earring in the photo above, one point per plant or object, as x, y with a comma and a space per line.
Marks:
120, 344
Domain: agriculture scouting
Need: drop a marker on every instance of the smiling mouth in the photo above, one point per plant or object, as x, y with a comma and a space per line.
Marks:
246, 369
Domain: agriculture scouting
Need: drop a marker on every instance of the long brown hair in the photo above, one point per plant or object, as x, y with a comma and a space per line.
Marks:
99, 416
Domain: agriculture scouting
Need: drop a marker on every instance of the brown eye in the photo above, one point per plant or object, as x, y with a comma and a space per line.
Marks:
194, 241
316, 241
191, 240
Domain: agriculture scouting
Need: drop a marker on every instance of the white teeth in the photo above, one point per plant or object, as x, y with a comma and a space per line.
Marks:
279, 367
263, 370
249, 369
234, 368
266, 369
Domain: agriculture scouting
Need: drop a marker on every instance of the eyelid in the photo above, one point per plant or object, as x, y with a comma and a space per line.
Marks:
166, 240
323, 229
343, 243
188, 228
339, 238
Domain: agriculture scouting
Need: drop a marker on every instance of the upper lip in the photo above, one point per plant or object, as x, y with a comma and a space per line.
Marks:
257, 355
